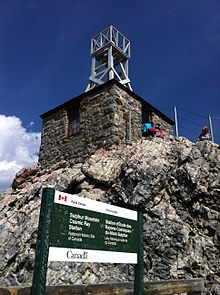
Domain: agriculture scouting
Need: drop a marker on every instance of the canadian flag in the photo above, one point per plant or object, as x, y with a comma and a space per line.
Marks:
62, 198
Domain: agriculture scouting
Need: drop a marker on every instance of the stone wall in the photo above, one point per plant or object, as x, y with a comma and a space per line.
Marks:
55, 144
167, 128
104, 122
127, 117
108, 117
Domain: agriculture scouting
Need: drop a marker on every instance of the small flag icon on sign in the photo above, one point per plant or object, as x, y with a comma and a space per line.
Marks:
62, 198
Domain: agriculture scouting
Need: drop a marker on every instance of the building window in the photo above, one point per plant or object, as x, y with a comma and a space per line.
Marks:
73, 121
146, 122
146, 116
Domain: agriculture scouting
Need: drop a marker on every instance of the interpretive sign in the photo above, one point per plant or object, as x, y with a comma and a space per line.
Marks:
86, 230
78, 229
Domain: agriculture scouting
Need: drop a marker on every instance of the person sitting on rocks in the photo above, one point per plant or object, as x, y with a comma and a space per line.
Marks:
204, 135
156, 131
159, 132
145, 128
153, 131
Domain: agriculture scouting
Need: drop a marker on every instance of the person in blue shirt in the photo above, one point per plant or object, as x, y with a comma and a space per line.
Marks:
145, 128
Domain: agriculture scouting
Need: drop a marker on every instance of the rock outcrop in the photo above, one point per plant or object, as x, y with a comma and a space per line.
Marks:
175, 183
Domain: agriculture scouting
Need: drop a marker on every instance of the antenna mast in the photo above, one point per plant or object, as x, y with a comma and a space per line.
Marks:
110, 51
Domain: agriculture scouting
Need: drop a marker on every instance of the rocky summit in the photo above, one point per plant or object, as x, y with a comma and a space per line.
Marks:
175, 182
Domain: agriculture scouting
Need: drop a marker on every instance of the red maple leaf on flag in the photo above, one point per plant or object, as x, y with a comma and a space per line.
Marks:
62, 198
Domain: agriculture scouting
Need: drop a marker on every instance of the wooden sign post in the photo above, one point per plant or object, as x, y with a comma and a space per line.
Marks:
139, 267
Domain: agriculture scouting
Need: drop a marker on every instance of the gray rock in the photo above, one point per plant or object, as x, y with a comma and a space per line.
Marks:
175, 183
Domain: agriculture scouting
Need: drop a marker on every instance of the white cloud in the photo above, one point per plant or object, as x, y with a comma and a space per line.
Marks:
18, 148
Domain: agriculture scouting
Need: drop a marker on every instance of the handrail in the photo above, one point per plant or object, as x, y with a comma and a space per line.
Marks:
168, 287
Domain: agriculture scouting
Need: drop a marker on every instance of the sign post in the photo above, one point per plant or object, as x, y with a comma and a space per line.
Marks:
77, 229
139, 267
42, 246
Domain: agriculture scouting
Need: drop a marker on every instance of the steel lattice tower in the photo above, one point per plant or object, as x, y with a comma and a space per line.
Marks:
110, 51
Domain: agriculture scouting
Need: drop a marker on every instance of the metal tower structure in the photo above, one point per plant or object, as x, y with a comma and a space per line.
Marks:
110, 51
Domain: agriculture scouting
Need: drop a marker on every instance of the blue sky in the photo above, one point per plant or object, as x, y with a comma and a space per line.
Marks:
45, 59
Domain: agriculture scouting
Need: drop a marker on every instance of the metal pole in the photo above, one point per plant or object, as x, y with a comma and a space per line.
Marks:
110, 64
176, 121
210, 128
139, 267
111, 32
42, 247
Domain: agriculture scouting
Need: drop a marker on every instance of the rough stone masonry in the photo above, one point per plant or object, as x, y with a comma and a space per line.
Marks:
109, 115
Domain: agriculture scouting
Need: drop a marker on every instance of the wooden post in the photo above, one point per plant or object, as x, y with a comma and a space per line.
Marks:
42, 247
139, 267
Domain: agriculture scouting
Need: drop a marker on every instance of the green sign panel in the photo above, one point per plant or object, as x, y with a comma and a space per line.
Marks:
78, 228
112, 229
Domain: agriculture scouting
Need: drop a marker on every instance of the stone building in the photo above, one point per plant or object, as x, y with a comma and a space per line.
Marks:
107, 115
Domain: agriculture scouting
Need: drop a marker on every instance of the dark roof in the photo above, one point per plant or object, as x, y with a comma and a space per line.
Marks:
101, 87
